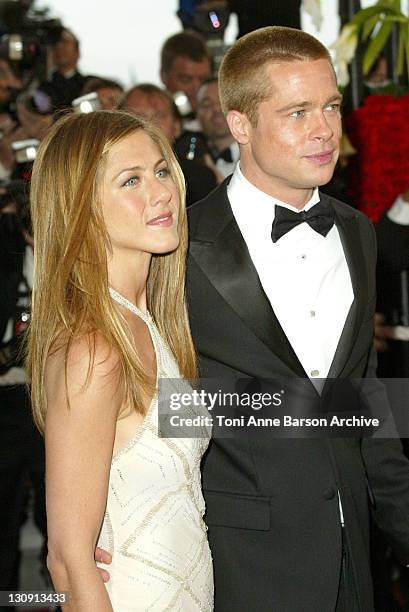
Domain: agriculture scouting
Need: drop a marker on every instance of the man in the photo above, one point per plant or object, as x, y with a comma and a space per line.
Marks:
10, 85
154, 104
66, 82
223, 148
21, 446
157, 105
185, 64
289, 519
109, 92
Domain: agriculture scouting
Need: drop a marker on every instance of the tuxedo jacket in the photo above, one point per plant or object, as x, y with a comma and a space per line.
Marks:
272, 504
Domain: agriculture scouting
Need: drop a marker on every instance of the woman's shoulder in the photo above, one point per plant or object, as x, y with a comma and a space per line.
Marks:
84, 368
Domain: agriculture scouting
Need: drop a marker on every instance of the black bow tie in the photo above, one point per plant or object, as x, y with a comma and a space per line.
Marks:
320, 217
226, 156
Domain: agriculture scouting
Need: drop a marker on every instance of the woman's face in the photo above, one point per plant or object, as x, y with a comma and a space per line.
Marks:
139, 198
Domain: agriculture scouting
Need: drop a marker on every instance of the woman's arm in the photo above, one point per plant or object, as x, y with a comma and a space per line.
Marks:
79, 441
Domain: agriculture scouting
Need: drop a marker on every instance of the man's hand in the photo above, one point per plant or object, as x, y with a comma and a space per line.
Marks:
102, 556
381, 333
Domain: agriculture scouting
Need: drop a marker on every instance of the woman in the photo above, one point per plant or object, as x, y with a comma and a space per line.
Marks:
110, 243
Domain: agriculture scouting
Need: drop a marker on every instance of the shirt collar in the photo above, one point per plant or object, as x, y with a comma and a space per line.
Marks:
241, 190
399, 212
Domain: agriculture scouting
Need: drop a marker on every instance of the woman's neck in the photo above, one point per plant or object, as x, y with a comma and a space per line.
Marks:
128, 274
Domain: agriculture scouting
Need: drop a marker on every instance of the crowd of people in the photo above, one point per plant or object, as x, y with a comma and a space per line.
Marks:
288, 521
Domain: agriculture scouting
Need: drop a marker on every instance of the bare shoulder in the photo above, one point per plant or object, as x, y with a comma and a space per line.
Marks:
89, 374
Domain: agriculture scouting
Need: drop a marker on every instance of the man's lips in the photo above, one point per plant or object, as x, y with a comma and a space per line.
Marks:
163, 220
321, 158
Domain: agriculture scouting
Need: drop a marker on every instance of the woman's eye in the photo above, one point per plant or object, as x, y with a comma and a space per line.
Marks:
131, 182
162, 173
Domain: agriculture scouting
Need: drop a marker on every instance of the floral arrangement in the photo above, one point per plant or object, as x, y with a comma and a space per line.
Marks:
379, 130
372, 26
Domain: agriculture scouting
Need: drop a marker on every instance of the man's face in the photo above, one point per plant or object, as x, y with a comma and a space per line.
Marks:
295, 145
109, 97
154, 108
187, 76
65, 52
209, 112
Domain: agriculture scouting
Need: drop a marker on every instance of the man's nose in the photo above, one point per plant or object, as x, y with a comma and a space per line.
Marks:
322, 128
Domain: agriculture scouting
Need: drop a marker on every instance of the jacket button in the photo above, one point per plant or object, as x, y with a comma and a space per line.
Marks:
329, 493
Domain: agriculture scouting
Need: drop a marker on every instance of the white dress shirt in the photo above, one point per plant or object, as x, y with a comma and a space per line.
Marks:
399, 211
305, 275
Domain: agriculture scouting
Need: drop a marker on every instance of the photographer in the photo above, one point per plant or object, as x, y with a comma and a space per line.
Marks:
21, 449
10, 85
66, 82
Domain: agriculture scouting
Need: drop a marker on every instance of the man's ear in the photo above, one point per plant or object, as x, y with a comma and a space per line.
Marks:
239, 126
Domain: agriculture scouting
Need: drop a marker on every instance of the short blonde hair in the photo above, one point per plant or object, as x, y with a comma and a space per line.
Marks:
71, 246
243, 80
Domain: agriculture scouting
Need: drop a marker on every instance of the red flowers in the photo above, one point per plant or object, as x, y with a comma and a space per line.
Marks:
379, 130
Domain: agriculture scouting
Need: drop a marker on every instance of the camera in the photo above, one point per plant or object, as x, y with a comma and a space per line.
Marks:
26, 33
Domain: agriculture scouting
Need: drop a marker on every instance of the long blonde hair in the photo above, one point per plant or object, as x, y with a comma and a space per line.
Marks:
70, 286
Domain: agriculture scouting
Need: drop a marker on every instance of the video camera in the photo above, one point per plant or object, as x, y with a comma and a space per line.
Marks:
25, 34
210, 18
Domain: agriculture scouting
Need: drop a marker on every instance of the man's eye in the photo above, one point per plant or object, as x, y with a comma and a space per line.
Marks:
131, 182
333, 107
162, 173
297, 113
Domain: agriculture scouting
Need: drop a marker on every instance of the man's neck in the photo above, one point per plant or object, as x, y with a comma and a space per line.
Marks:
297, 198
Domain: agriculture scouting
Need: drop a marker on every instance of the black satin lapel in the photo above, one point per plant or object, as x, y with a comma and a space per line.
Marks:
351, 243
227, 264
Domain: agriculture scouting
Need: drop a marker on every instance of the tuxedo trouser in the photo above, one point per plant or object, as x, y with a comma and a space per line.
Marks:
347, 600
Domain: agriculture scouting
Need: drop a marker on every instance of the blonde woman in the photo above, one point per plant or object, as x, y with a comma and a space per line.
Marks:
109, 319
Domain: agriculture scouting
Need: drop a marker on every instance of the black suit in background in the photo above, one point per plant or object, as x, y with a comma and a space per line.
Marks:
272, 507
63, 90
254, 14
393, 292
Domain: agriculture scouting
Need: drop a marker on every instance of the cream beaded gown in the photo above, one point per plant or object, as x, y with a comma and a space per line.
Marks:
153, 524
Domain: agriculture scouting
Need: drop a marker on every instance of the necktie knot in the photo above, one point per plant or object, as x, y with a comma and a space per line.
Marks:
320, 218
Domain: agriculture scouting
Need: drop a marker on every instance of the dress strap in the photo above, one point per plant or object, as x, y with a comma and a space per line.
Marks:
145, 316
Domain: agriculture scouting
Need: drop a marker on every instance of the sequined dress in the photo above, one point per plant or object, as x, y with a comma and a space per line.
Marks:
153, 524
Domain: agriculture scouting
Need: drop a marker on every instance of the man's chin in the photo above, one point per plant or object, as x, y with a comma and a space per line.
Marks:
324, 176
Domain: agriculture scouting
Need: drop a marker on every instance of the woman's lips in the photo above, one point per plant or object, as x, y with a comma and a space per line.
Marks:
165, 220
321, 158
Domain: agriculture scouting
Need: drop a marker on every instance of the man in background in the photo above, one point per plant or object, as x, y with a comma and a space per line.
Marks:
109, 92
157, 105
66, 82
185, 65
222, 146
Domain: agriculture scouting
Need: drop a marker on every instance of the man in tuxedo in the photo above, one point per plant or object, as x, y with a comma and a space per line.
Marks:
281, 286
66, 82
